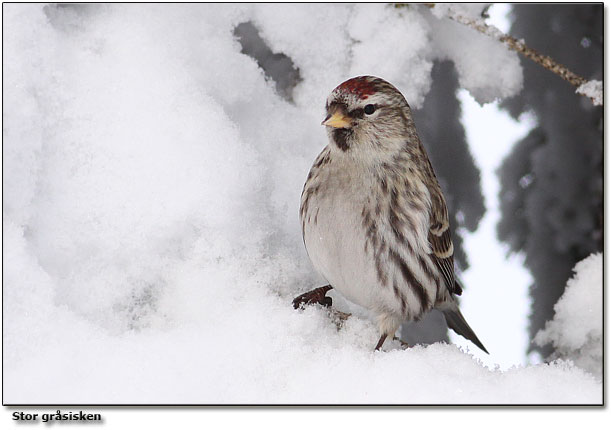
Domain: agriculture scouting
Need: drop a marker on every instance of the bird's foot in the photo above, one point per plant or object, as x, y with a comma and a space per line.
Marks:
404, 345
317, 295
338, 317
380, 342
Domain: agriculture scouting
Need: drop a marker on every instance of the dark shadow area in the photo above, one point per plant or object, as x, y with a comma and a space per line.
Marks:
552, 182
276, 66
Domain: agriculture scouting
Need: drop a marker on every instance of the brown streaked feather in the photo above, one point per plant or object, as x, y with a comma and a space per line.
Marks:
443, 256
440, 236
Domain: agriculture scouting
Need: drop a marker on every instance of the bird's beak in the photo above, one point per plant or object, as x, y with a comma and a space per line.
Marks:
337, 120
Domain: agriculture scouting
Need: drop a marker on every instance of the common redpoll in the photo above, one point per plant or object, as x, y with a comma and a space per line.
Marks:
374, 219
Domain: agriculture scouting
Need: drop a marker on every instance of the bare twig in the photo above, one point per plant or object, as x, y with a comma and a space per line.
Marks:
591, 89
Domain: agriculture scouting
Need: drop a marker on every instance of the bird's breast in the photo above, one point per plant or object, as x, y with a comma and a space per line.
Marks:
334, 236
367, 238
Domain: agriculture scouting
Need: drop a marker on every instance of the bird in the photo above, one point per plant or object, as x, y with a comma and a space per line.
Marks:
374, 219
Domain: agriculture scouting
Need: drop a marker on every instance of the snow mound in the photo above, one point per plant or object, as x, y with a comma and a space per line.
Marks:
152, 180
577, 328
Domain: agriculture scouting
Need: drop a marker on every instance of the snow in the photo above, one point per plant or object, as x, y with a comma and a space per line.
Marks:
151, 189
594, 90
577, 328
469, 49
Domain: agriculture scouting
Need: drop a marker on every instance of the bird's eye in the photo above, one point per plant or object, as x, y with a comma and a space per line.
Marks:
369, 109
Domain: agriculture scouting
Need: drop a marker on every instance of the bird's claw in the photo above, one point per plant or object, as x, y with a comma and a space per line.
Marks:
404, 345
317, 295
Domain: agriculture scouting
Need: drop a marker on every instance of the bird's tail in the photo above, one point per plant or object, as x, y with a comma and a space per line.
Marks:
457, 323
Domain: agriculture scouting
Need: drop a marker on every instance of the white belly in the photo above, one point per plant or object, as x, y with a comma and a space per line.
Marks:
335, 245
335, 239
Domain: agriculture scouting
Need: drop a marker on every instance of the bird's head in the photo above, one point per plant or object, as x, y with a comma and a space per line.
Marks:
366, 112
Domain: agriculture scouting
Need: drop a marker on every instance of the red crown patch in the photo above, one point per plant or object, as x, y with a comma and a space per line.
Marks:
361, 86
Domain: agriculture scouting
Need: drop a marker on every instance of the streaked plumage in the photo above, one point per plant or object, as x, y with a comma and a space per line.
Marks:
374, 219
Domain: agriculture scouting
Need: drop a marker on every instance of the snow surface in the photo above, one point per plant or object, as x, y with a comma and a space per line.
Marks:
151, 187
577, 328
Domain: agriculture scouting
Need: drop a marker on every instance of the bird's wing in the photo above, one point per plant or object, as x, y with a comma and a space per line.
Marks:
440, 238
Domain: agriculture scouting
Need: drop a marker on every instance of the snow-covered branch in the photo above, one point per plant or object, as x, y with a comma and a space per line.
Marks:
592, 89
